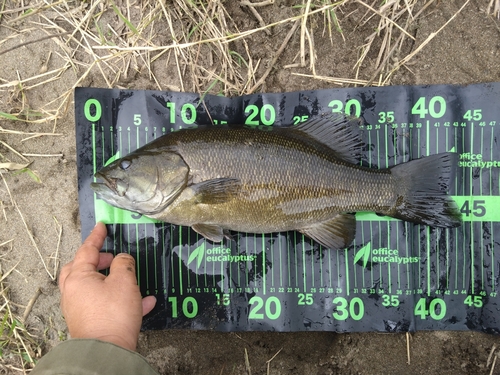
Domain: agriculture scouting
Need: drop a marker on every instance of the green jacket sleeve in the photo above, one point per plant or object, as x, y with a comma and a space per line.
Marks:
86, 356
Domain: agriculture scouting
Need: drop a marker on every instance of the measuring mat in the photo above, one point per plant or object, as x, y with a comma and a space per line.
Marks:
395, 276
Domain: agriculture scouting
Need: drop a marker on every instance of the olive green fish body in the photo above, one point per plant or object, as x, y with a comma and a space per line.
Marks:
304, 178
285, 183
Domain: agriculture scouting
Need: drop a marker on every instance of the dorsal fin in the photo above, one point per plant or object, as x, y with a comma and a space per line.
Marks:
338, 132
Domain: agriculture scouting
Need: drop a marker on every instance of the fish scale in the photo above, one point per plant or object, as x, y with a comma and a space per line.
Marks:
304, 178
294, 183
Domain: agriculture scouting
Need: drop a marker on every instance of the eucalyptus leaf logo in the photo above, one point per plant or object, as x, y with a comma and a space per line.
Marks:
382, 255
363, 254
197, 254
216, 254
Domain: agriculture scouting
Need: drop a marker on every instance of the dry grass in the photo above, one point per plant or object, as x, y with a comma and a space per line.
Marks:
492, 359
18, 347
119, 41
494, 8
114, 41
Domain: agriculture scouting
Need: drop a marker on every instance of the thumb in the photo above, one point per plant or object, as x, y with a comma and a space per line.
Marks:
148, 304
123, 268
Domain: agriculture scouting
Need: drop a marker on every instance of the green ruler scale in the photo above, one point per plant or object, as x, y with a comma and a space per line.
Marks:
396, 276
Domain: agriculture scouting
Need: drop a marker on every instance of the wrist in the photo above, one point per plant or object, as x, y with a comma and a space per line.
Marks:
118, 340
108, 331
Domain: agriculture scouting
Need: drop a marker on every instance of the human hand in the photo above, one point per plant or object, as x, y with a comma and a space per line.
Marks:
108, 308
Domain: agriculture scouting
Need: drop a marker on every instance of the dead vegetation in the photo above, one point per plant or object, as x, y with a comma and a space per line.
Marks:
113, 42
19, 349
120, 40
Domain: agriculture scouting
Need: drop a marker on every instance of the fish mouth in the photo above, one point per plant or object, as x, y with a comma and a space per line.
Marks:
108, 184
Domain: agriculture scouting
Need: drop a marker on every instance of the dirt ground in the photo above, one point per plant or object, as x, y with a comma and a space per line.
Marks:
466, 50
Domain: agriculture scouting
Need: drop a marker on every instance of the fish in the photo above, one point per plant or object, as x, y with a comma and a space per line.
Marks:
306, 178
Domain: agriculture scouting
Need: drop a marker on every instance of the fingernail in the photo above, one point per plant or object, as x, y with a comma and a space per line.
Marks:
96, 224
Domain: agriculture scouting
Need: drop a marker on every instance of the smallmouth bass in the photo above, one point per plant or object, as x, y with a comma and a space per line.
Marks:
305, 178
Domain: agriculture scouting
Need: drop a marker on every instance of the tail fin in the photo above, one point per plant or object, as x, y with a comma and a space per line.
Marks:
423, 186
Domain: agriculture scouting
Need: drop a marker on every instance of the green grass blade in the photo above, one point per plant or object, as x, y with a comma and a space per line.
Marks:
124, 19
8, 116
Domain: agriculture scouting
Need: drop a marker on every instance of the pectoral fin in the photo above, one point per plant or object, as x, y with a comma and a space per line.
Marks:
216, 191
211, 232
337, 233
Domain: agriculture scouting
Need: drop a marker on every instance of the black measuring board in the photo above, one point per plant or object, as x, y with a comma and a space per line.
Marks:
396, 276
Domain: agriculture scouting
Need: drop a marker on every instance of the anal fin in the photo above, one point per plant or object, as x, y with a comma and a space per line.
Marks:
338, 233
211, 232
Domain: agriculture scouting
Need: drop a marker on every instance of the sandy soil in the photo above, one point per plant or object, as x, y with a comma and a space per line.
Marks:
466, 51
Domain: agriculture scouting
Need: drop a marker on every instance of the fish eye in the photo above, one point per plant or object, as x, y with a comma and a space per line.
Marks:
124, 164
